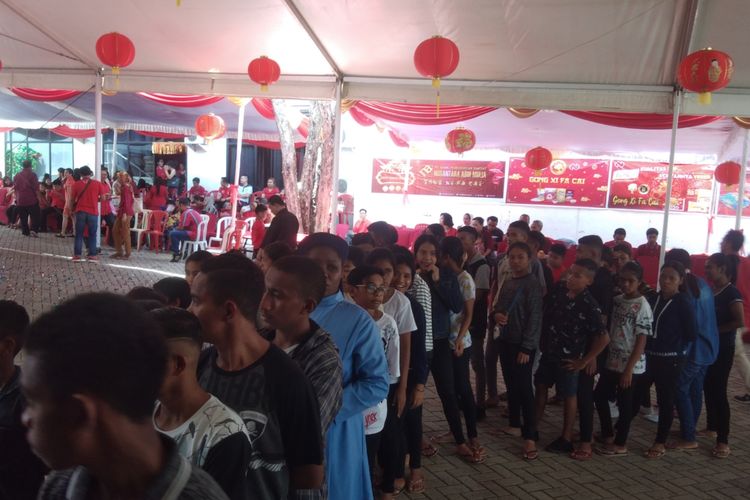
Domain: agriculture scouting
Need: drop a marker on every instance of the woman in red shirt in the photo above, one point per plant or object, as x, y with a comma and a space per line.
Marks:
157, 195
121, 229
258, 230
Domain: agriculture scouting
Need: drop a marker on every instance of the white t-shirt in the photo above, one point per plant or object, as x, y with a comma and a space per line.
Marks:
211, 424
375, 416
400, 308
468, 292
630, 318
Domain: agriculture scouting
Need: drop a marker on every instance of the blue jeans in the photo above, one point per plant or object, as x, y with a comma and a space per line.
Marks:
689, 398
91, 221
177, 236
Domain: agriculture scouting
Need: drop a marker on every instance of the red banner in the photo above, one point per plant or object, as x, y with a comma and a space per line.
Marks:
728, 199
439, 177
643, 186
573, 183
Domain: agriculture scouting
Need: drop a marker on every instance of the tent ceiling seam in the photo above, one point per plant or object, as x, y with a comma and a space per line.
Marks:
44, 32
314, 37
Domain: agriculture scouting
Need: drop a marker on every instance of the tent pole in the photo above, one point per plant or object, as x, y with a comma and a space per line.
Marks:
113, 159
336, 157
677, 96
741, 188
238, 157
98, 146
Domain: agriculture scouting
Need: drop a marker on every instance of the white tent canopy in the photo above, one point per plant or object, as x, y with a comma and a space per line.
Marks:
609, 55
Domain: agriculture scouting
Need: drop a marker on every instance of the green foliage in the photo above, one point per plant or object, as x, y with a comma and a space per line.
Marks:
15, 157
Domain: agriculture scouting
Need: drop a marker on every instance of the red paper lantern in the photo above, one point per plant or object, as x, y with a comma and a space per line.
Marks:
263, 71
728, 173
436, 58
538, 158
115, 50
460, 140
705, 71
210, 127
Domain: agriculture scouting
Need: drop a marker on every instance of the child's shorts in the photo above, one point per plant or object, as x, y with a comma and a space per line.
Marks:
551, 372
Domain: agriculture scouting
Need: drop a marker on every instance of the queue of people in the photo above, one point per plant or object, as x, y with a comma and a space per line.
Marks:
303, 374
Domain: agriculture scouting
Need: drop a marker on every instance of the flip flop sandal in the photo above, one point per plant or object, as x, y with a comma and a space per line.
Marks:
653, 454
429, 451
716, 453
473, 458
416, 486
581, 455
531, 455
607, 452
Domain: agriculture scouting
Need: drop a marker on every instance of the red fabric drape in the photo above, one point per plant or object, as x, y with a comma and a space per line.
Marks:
160, 135
360, 117
66, 131
47, 95
180, 100
398, 140
271, 144
264, 107
6, 129
648, 121
420, 114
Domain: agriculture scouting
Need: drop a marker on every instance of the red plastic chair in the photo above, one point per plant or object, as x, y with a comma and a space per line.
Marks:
404, 236
156, 226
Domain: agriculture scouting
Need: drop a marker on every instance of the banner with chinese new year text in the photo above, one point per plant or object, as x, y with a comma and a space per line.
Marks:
728, 199
573, 183
482, 179
643, 185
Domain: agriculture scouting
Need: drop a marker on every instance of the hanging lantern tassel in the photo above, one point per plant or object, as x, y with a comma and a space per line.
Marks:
179, 3
704, 98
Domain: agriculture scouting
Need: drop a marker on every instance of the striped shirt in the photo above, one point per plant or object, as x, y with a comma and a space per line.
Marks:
421, 292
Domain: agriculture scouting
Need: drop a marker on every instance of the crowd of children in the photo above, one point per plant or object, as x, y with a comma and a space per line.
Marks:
302, 375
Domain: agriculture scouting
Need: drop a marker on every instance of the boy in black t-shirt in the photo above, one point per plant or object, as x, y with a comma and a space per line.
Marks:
573, 335
258, 381
21, 473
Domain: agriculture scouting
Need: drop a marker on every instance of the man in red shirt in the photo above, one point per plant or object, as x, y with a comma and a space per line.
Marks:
187, 228
651, 248
56, 205
26, 186
197, 189
225, 195
619, 239
87, 193
270, 189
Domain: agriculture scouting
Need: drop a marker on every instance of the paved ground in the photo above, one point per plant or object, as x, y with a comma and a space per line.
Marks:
38, 274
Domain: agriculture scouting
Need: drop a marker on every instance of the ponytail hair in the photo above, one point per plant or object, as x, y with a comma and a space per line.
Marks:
729, 263
691, 282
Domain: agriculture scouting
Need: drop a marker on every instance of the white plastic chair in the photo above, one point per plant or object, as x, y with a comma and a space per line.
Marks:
199, 243
221, 226
140, 226
247, 239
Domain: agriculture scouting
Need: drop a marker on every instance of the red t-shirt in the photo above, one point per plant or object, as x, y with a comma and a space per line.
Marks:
197, 191
258, 232
156, 200
348, 201
126, 200
225, 193
268, 192
648, 251
57, 198
556, 273
189, 222
361, 226
451, 231
106, 205
88, 198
